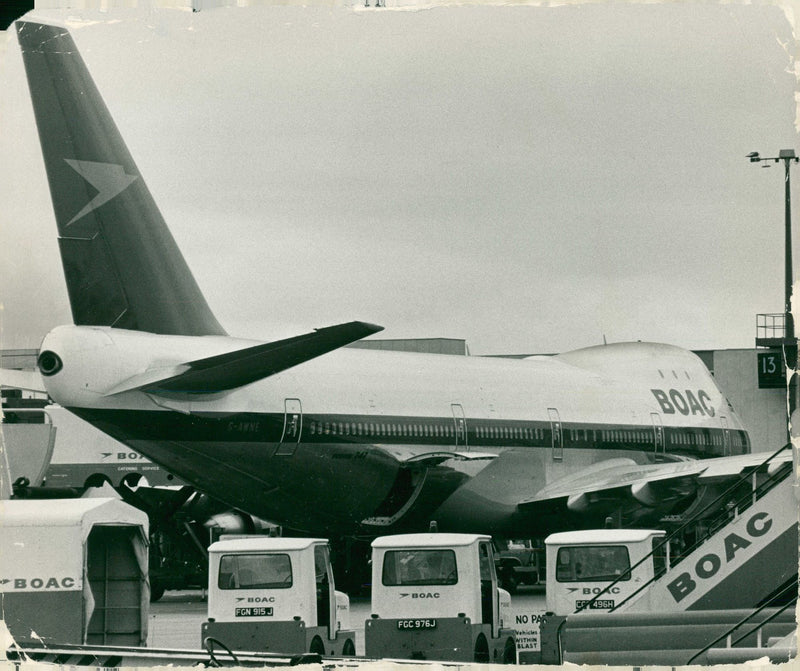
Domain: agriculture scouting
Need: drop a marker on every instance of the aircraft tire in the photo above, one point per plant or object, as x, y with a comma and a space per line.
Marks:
509, 581
156, 592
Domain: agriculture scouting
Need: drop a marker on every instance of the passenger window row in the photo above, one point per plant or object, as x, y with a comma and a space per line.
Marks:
589, 437
389, 429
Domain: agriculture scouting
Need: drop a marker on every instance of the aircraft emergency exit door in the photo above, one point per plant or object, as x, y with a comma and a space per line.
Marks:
292, 427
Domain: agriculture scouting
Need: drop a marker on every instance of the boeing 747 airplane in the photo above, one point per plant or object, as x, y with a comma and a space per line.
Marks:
333, 441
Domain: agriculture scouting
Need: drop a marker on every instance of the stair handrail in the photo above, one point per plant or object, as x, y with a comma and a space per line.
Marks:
747, 618
762, 489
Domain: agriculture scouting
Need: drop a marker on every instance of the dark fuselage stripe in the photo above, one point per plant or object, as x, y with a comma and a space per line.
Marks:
448, 432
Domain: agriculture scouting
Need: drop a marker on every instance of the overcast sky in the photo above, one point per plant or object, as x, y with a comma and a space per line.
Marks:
531, 179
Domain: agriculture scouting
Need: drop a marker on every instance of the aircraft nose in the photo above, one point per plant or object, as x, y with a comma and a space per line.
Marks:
49, 363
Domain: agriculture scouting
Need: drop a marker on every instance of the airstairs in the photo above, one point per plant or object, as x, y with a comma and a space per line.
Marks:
742, 547
726, 596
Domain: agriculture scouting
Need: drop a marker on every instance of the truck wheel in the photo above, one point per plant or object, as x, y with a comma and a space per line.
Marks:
481, 650
510, 652
317, 646
509, 582
349, 649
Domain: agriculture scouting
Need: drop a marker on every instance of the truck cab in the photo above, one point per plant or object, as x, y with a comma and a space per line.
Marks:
581, 564
435, 596
270, 594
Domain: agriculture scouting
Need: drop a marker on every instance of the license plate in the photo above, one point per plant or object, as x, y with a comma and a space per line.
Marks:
253, 612
599, 604
416, 624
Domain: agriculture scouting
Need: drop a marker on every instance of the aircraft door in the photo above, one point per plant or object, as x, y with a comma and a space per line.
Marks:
460, 422
557, 434
292, 427
726, 436
659, 446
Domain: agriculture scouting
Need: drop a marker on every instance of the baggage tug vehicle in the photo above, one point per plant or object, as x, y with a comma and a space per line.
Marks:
435, 597
270, 594
583, 564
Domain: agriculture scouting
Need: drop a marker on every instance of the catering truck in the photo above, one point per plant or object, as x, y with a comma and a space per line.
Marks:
270, 594
435, 596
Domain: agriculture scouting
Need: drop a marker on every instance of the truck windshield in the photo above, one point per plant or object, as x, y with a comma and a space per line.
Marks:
592, 563
255, 571
419, 567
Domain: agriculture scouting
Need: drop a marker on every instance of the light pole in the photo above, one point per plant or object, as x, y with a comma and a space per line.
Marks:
789, 342
787, 156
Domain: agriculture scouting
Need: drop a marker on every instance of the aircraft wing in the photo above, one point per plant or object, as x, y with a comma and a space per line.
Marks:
240, 367
648, 484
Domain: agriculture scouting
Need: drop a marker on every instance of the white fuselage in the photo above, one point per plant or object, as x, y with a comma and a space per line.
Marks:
330, 439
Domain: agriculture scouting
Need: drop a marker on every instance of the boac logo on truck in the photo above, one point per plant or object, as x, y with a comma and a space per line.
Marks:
709, 564
594, 590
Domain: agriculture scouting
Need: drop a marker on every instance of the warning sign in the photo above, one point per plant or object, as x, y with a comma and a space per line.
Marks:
526, 624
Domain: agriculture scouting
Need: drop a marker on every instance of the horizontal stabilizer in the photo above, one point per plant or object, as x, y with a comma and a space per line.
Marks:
29, 380
240, 367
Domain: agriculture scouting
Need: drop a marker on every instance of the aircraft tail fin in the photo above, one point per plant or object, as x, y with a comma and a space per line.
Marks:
121, 263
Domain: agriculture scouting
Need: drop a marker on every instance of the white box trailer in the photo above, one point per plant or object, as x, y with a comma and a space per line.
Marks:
277, 595
74, 571
435, 597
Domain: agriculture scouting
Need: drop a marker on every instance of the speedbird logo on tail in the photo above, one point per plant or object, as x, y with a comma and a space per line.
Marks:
109, 179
